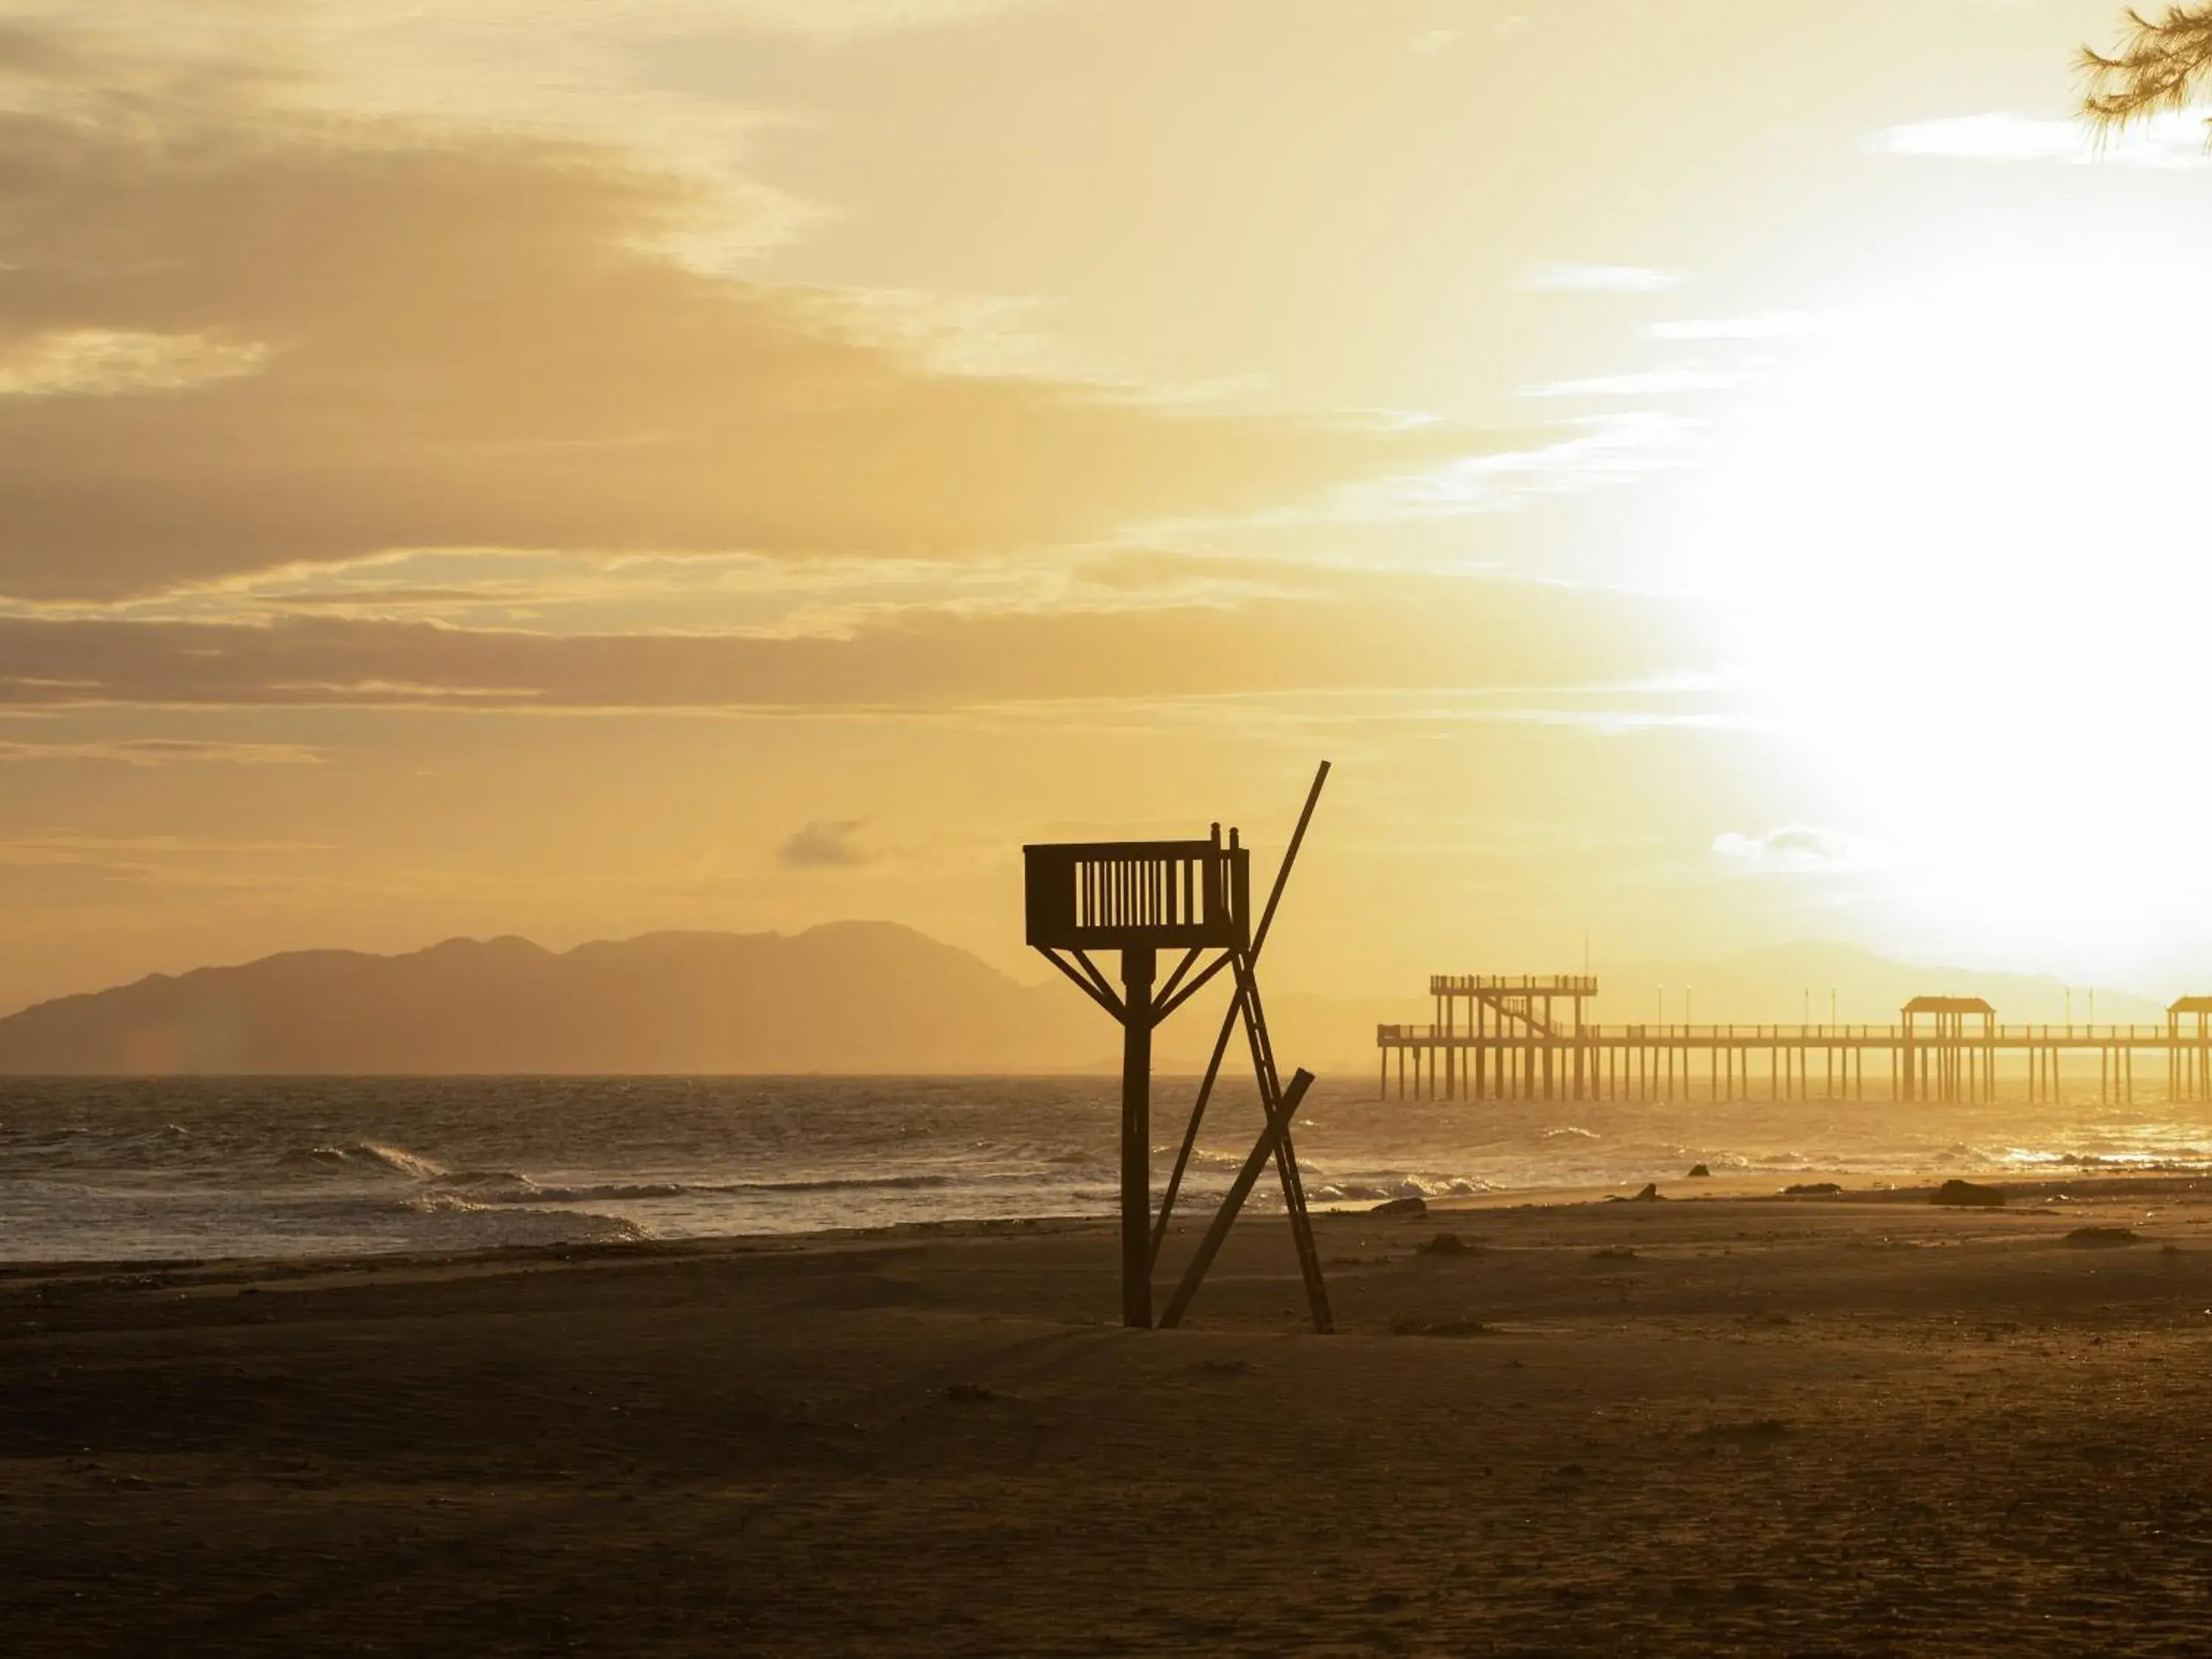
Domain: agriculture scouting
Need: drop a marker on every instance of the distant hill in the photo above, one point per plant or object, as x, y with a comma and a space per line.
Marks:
855, 996
851, 996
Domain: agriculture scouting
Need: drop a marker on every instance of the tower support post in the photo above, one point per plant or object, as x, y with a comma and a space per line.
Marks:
1140, 967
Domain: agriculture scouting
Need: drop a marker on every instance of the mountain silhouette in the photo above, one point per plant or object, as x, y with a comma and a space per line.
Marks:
849, 996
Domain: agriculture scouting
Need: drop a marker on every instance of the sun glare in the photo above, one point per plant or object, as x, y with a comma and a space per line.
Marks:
1951, 538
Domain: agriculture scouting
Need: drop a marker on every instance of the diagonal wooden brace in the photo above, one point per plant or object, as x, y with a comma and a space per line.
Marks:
1279, 1122
1294, 1201
1091, 987
1236, 1007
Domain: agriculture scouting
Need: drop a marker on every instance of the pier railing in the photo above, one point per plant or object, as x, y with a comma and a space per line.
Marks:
1513, 984
1955, 1062
2139, 1036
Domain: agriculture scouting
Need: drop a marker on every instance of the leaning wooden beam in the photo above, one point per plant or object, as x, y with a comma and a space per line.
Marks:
1289, 857
1294, 1198
1190, 1135
1228, 1018
1257, 1034
1279, 1120
1286, 1157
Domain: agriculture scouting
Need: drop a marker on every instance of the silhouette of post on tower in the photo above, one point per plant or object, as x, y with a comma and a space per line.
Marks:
1140, 898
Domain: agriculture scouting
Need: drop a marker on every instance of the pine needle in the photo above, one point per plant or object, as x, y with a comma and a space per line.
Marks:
2156, 69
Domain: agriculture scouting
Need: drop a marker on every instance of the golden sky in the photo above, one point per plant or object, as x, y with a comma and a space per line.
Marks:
1709, 472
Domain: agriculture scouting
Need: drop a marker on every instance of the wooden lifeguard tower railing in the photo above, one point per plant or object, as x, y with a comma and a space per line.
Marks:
1141, 898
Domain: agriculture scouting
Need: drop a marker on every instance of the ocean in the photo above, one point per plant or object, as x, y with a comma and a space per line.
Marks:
108, 1169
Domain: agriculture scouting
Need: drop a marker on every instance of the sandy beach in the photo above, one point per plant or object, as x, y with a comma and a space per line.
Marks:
1723, 1422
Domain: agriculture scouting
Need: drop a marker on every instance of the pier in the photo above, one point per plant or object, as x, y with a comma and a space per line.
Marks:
1500, 1038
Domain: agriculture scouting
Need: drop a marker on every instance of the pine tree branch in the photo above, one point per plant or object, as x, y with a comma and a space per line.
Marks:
2157, 68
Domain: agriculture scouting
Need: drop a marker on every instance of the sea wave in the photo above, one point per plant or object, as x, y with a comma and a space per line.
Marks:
854, 1184
1377, 1189
507, 1188
441, 1204
366, 1157
482, 1188
1203, 1157
499, 1224
332, 1166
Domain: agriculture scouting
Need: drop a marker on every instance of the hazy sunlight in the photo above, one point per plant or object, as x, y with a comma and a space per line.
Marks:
1954, 535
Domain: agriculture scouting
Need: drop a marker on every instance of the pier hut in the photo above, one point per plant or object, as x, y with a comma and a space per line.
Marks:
2189, 1048
1945, 1061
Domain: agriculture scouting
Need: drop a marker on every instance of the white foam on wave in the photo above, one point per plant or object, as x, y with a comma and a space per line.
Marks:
504, 1223
368, 1155
1203, 1157
524, 1190
506, 1185
332, 1166
1373, 1188
441, 1204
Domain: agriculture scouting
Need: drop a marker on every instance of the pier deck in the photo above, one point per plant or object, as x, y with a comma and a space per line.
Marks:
1509, 1040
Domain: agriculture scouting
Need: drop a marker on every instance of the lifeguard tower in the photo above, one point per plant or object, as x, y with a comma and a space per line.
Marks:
1140, 898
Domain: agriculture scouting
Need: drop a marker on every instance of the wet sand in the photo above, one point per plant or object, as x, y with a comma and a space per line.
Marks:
1719, 1423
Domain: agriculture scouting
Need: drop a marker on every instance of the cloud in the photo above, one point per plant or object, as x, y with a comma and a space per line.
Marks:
1342, 629
827, 20
69, 844
825, 845
844, 19
164, 752
1654, 383
47, 860
106, 362
1793, 847
1608, 449
1599, 279
2174, 141
1759, 325
317, 338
